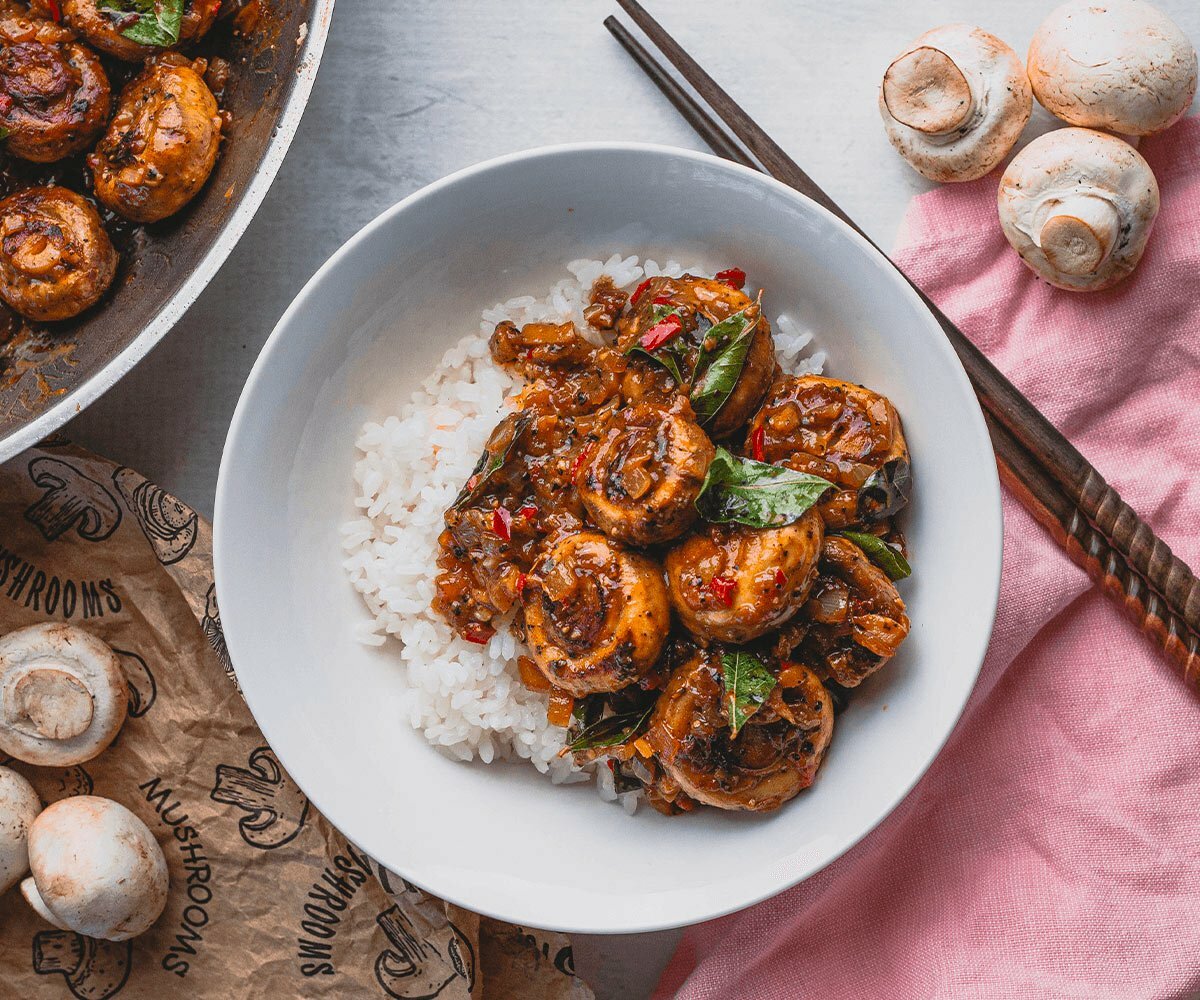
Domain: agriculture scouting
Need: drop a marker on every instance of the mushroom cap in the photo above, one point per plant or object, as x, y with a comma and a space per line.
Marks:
97, 869
63, 695
19, 805
954, 102
1078, 206
1121, 65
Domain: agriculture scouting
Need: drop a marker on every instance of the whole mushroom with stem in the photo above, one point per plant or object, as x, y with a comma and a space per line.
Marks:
1119, 65
954, 102
19, 806
96, 869
1078, 206
63, 695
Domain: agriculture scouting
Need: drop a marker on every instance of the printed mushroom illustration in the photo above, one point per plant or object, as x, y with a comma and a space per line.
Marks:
63, 695
142, 688
416, 969
19, 806
71, 500
1078, 206
277, 808
96, 869
954, 102
93, 969
169, 524
1120, 65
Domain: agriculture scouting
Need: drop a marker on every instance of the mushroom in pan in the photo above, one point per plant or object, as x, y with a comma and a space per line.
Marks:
54, 95
123, 29
96, 869
63, 695
56, 260
1078, 206
161, 144
954, 102
596, 614
1120, 65
19, 805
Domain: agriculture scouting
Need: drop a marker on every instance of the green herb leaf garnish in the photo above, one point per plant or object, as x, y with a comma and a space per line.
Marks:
4, 133
747, 684
504, 438
888, 559
664, 356
613, 731
150, 22
756, 494
720, 362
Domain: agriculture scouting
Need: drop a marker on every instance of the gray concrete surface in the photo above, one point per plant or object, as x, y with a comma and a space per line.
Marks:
413, 89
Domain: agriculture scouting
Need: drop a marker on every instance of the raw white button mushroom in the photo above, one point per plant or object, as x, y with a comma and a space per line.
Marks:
1121, 65
1078, 206
954, 102
19, 805
63, 695
97, 869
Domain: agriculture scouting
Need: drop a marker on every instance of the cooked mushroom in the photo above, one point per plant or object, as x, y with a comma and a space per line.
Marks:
58, 97
1121, 65
161, 144
954, 102
97, 869
733, 583
63, 695
103, 25
1078, 206
596, 614
56, 260
19, 804
641, 485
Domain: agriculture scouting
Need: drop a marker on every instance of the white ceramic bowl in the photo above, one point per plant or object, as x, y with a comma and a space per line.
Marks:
501, 839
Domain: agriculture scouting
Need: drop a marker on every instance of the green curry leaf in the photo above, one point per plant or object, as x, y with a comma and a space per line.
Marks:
495, 455
147, 22
747, 684
888, 559
756, 494
720, 361
612, 731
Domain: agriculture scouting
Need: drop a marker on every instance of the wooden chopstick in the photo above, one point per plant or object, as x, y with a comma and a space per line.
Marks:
1067, 495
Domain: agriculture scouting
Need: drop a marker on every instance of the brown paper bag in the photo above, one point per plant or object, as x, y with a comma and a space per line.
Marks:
267, 899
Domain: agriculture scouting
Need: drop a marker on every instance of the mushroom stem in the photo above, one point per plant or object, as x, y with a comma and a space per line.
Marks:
925, 90
1080, 233
52, 701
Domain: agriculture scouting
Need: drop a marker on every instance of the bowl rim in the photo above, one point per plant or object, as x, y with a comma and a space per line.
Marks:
989, 512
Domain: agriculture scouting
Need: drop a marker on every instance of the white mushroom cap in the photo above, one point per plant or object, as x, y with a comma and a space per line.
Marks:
1078, 206
19, 805
63, 695
1121, 65
97, 869
954, 102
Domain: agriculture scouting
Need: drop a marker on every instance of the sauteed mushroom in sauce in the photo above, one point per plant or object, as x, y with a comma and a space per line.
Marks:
690, 608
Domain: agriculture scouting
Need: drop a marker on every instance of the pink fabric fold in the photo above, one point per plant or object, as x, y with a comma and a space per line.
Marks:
1053, 849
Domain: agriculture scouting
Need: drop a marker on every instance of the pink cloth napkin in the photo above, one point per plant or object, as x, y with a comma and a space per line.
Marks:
1053, 849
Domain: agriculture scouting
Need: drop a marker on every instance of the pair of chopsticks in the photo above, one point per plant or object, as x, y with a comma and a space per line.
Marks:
1086, 516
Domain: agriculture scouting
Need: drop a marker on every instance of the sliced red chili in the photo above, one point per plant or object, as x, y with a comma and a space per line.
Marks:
780, 578
502, 523
582, 457
639, 292
661, 332
662, 300
478, 633
734, 277
472, 482
528, 511
522, 579
722, 589
757, 446
55, 10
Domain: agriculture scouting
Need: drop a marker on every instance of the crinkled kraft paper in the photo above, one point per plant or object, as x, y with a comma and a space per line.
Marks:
267, 899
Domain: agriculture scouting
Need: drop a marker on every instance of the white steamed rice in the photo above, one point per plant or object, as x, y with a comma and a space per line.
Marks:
467, 699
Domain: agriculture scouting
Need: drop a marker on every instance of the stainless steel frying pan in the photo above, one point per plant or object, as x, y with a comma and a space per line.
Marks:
48, 375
